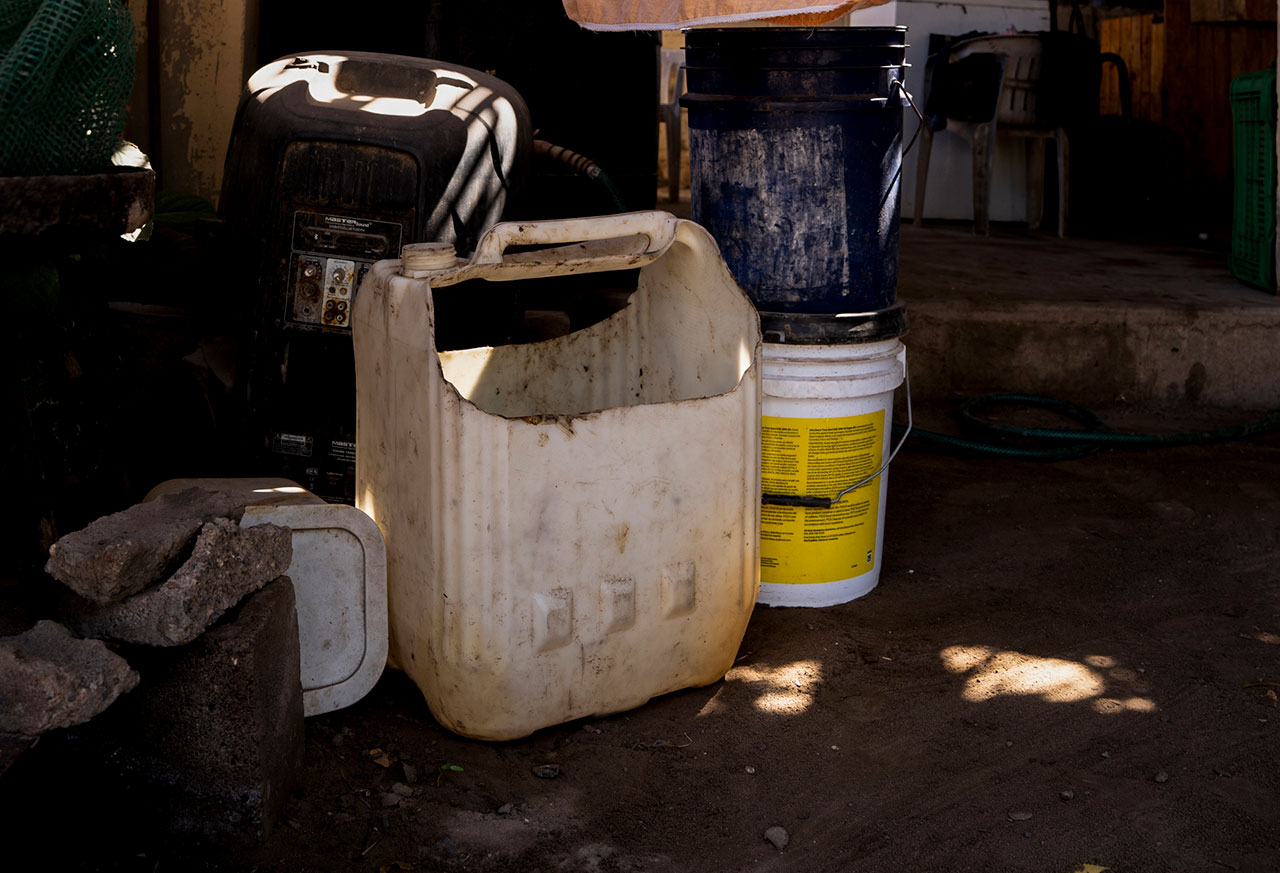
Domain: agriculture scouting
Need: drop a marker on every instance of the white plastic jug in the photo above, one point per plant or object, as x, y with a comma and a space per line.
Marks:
571, 526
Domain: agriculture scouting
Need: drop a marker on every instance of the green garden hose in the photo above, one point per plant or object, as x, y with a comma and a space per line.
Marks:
1055, 444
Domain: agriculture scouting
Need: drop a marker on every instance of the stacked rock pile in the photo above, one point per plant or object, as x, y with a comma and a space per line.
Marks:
174, 599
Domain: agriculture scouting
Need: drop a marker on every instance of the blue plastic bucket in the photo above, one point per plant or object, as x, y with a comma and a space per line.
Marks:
795, 140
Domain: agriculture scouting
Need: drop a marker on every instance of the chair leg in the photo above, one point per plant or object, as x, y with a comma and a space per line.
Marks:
984, 153
673, 156
922, 172
1035, 182
1064, 177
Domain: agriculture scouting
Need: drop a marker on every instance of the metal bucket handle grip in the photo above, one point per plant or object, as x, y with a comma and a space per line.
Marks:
828, 502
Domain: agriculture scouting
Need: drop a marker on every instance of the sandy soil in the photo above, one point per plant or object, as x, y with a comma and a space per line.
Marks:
1064, 664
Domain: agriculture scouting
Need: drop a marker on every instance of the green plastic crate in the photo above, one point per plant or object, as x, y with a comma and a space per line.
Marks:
1253, 230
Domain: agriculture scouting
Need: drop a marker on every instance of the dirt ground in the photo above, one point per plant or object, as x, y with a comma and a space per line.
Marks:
1064, 664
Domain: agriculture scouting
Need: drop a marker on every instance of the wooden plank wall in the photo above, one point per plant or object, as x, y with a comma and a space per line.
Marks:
1180, 73
1140, 40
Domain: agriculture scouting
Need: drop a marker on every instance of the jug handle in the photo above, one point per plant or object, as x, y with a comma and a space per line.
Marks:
659, 229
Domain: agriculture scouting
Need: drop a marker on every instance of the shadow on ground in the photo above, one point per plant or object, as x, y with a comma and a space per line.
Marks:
1063, 664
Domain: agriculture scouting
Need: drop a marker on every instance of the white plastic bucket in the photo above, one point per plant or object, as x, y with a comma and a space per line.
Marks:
827, 419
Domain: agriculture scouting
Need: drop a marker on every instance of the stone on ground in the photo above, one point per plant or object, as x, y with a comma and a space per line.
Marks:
11, 748
226, 564
51, 679
123, 553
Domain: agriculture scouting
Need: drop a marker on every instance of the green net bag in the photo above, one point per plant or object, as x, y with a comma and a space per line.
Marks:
66, 71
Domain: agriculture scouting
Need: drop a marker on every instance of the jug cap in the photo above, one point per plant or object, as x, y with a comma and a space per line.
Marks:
419, 259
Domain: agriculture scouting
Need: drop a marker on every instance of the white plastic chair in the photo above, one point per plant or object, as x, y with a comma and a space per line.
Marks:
1015, 116
670, 87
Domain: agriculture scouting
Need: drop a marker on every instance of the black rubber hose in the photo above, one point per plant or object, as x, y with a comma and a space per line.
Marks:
583, 166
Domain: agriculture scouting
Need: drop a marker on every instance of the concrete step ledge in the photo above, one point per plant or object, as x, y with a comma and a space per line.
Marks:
1092, 354
1093, 322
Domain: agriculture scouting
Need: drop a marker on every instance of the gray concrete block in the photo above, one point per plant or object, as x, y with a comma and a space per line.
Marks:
226, 564
122, 553
51, 679
209, 746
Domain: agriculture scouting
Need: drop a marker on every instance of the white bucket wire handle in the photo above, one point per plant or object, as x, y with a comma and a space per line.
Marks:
828, 502
899, 85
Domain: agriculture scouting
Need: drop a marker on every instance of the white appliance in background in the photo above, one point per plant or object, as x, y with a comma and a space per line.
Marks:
950, 190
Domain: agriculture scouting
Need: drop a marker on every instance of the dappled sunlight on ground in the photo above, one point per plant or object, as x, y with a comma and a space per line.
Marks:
991, 674
785, 690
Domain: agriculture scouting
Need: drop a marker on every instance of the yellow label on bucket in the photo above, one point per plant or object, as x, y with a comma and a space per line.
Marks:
819, 457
